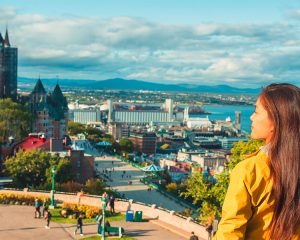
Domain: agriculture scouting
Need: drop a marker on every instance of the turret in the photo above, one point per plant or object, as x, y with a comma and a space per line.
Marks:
1, 41
6, 39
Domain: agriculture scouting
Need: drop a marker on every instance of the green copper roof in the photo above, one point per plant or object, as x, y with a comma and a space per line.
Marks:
39, 88
56, 103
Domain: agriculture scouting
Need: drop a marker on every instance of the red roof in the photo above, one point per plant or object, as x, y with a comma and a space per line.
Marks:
33, 142
176, 169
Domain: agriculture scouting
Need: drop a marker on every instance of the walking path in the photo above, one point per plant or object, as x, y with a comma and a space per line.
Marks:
137, 190
18, 223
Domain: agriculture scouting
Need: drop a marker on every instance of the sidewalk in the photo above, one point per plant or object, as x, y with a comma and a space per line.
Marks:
18, 223
137, 190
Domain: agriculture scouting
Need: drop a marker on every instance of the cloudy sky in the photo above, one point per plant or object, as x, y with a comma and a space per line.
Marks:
234, 42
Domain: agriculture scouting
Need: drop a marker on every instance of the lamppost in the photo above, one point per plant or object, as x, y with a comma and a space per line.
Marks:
103, 200
52, 205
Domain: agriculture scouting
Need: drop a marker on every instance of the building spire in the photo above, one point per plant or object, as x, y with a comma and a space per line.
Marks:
1, 40
39, 88
6, 39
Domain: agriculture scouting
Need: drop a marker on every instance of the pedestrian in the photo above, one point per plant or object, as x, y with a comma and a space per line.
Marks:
263, 197
104, 194
209, 229
48, 217
99, 219
37, 206
112, 162
44, 208
79, 225
112, 204
193, 237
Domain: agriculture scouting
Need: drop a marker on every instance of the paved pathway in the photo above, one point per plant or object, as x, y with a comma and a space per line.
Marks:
137, 190
18, 223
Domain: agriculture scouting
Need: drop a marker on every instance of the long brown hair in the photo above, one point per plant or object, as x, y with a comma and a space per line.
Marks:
282, 102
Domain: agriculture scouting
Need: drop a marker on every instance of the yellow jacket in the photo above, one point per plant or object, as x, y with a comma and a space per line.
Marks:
248, 207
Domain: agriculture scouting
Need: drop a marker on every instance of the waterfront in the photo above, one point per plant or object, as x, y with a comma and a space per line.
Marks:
221, 112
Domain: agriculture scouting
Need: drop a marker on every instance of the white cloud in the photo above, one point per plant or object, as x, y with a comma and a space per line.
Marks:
134, 48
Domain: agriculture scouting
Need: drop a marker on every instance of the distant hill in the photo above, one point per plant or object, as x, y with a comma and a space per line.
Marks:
27, 84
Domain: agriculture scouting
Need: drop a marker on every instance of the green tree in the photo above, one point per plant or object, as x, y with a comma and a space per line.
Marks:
94, 135
75, 128
63, 170
211, 194
126, 145
172, 187
33, 168
95, 186
15, 120
28, 168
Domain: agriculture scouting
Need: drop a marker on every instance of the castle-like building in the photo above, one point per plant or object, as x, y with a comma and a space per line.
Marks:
8, 68
50, 111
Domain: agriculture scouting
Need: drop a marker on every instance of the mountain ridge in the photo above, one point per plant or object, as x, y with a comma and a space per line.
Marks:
122, 84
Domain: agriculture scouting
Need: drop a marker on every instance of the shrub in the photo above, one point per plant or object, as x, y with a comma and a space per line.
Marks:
70, 186
20, 199
88, 211
95, 186
172, 187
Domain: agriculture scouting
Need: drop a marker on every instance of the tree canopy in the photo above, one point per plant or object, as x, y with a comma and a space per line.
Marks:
211, 194
94, 135
126, 145
75, 128
15, 120
33, 168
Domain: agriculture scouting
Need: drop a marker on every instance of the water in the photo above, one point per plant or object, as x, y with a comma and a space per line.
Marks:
221, 112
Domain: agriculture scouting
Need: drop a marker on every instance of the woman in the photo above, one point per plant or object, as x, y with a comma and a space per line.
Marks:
263, 198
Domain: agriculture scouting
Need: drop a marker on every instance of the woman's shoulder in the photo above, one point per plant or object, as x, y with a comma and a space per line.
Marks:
255, 165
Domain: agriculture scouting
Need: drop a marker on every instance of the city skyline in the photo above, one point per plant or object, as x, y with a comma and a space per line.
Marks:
233, 43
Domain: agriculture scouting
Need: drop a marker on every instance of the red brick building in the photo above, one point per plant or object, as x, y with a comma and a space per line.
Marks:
144, 142
82, 165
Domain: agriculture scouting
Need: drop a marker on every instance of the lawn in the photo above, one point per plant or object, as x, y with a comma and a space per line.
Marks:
56, 217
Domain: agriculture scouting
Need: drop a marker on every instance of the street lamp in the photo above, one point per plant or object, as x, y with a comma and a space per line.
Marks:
52, 205
103, 200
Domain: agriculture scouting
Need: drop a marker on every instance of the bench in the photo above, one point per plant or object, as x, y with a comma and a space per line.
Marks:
119, 230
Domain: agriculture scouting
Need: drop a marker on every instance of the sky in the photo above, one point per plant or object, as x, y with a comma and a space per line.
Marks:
237, 43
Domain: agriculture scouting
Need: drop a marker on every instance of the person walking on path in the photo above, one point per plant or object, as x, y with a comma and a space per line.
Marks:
99, 219
44, 208
263, 197
48, 217
37, 206
112, 204
209, 229
79, 225
193, 237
